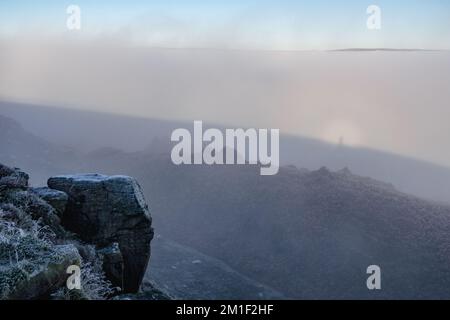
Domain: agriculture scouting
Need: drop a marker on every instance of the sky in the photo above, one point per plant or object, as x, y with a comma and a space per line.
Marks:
122, 61
239, 24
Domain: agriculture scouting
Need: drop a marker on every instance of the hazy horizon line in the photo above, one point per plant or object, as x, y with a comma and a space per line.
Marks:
288, 135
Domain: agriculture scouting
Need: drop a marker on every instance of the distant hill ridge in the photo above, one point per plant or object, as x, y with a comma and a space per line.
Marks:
62, 127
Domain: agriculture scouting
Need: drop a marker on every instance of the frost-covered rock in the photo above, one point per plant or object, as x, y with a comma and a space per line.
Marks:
34, 206
31, 265
108, 235
39, 277
57, 199
106, 209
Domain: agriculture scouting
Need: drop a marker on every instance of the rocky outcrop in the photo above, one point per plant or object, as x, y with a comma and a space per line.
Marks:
106, 209
102, 224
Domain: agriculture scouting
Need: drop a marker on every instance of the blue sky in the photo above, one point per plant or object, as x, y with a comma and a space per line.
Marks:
263, 24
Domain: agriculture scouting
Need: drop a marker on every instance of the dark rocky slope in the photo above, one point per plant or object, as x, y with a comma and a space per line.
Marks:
308, 234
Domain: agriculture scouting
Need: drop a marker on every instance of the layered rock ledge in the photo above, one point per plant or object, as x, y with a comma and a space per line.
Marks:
109, 209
